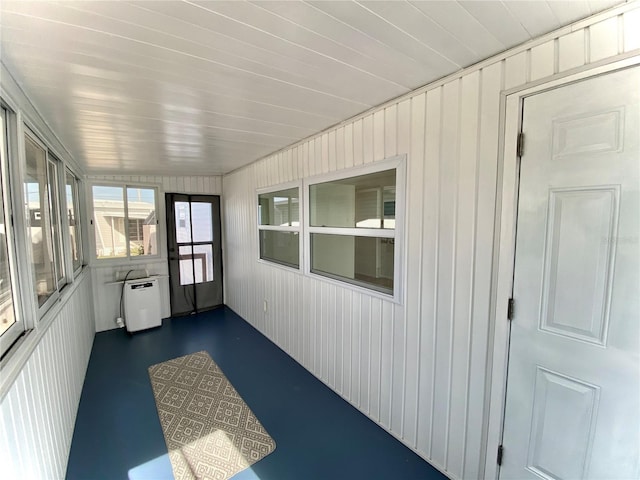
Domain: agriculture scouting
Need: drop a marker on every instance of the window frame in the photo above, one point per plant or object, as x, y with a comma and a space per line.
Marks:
11, 335
56, 203
128, 258
60, 282
76, 189
280, 228
398, 163
34, 319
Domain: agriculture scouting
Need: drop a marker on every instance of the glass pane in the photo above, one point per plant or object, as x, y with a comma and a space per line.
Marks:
108, 219
7, 312
364, 261
142, 223
183, 222
186, 265
279, 208
203, 262
71, 191
202, 223
39, 220
280, 247
198, 259
55, 223
366, 201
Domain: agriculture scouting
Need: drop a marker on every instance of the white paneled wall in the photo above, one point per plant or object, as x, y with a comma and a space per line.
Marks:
107, 297
418, 368
39, 411
209, 185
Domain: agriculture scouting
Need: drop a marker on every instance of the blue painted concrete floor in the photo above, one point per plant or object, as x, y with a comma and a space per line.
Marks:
318, 434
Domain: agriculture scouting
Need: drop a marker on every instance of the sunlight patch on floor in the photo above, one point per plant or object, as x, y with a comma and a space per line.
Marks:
189, 457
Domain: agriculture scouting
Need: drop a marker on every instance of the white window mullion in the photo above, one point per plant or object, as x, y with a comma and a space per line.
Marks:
278, 228
356, 232
125, 220
9, 289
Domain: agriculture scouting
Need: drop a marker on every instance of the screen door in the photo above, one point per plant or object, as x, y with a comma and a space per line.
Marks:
195, 252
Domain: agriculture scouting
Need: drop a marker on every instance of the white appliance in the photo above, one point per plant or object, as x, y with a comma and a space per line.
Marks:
142, 304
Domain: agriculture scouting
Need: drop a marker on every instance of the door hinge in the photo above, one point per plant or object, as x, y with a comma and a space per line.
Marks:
510, 307
499, 456
520, 147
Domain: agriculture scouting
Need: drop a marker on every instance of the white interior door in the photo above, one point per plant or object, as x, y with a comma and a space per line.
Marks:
573, 386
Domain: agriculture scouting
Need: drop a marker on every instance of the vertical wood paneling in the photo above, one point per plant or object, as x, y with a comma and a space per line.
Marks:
321, 165
463, 271
340, 148
356, 336
398, 339
386, 363
446, 267
604, 39
322, 325
338, 335
349, 144
358, 148
366, 152
429, 268
571, 50
391, 129
375, 357
486, 178
324, 148
364, 348
311, 158
543, 60
211, 185
417, 368
379, 136
330, 339
408, 141
631, 34
38, 412
516, 70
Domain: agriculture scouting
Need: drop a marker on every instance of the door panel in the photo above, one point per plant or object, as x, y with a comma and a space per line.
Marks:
560, 400
575, 293
573, 388
195, 252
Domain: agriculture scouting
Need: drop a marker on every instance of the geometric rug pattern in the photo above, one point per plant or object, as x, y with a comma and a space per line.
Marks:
210, 431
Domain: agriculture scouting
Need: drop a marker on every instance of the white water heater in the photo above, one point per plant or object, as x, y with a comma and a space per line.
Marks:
142, 304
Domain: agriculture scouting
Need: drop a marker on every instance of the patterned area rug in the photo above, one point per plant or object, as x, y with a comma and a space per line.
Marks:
210, 432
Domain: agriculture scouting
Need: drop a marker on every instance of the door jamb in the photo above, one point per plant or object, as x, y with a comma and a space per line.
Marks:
511, 102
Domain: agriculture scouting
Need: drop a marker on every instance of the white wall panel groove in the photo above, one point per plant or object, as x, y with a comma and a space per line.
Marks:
39, 411
418, 369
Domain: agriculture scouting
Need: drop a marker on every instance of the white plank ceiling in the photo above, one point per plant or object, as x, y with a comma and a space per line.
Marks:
168, 87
